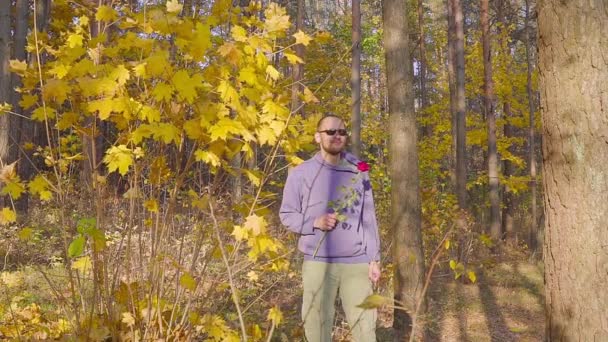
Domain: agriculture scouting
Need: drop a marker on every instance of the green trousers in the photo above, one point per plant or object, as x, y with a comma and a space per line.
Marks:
322, 282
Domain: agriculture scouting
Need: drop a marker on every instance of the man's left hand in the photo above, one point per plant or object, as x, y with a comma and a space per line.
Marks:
374, 272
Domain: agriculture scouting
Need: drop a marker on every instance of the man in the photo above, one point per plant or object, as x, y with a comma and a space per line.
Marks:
328, 201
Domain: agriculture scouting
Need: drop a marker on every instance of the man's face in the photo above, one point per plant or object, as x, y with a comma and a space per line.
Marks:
332, 144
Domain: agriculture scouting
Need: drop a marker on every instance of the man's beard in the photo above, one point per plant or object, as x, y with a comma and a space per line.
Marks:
334, 149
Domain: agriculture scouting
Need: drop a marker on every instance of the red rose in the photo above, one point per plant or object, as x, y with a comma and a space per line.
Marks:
363, 166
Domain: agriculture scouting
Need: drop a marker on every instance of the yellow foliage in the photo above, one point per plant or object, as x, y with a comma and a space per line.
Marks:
7, 215
119, 158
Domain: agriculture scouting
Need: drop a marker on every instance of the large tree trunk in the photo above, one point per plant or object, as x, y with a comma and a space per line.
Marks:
532, 230
405, 207
573, 68
355, 80
488, 87
5, 79
460, 108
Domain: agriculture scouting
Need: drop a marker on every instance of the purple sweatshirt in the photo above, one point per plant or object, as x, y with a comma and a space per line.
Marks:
314, 188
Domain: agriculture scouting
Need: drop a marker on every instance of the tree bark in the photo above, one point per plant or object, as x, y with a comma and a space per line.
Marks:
355, 79
408, 257
488, 86
451, 61
422, 41
5, 79
508, 198
573, 69
533, 229
22, 124
297, 72
461, 133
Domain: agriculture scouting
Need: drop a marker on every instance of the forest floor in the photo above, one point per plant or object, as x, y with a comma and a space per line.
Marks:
505, 304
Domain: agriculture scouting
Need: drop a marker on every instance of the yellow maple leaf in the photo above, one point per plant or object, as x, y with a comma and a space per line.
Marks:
162, 92
82, 264
275, 315
13, 188
28, 100
228, 94
173, 6
56, 90
18, 66
200, 41
239, 33
102, 107
75, 40
207, 157
248, 75
266, 135
119, 158
150, 114
40, 186
128, 319
140, 69
256, 224
8, 172
26, 234
166, 132
308, 96
185, 85
151, 205
253, 276
302, 38
226, 127
60, 70
276, 18
240, 233
120, 74
230, 52
293, 59
43, 113
272, 72
106, 13
7, 215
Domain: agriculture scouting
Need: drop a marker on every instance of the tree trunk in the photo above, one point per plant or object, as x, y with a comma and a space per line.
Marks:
573, 69
297, 72
405, 208
5, 79
423, 96
23, 126
461, 129
355, 80
451, 59
488, 87
508, 197
533, 229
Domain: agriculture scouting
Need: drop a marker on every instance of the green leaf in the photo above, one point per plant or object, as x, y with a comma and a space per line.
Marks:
76, 247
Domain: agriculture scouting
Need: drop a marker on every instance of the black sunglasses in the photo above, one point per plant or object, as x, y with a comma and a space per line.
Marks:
340, 131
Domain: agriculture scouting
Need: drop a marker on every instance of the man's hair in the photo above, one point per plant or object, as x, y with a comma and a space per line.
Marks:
329, 115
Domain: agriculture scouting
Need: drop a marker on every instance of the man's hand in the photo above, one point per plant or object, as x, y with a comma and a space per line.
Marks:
374, 272
326, 221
